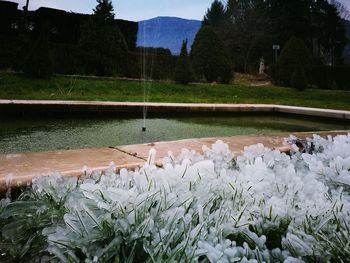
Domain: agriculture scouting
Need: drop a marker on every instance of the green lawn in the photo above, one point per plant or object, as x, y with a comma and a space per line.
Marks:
65, 88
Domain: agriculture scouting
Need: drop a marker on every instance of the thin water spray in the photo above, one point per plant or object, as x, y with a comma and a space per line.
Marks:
146, 76
143, 77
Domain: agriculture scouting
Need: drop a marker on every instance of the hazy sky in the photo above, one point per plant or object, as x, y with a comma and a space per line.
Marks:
136, 10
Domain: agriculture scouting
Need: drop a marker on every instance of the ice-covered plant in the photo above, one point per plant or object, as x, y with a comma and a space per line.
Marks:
23, 220
261, 206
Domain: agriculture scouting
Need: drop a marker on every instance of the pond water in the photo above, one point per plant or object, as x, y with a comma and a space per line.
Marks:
27, 135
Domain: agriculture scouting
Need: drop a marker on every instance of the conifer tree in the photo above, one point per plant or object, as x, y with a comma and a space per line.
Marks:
209, 57
215, 14
183, 72
294, 52
104, 11
103, 46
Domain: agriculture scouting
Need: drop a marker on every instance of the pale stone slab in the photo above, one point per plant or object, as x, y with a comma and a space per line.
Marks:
326, 113
20, 169
235, 143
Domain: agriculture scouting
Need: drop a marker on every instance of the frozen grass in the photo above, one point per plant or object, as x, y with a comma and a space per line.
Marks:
263, 206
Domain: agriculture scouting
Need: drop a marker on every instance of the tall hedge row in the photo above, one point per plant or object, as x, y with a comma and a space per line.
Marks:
326, 77
322, 77
152, 66
294, 68
9, 14
8, 51
38, 61
66, 59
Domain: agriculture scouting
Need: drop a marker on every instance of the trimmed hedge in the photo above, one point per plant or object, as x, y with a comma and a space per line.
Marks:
8, 52
9, 14
129, 29
326, 77
66, 59
38, 62
151, 66
322, 77
298, 79
294, 55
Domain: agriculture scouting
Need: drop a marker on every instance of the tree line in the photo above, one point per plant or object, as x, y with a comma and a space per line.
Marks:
309, 35
249, 28
236, 35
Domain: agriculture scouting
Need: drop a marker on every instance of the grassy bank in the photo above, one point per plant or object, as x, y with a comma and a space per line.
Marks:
64, 88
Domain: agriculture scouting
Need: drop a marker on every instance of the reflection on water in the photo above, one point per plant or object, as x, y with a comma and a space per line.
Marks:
62, 133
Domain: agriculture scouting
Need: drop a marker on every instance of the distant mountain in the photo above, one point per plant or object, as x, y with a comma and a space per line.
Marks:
347, 48
167, 32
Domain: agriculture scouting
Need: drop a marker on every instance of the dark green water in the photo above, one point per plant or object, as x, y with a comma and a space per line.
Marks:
72, 133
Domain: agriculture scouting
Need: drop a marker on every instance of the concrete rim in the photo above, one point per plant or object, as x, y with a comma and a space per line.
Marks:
132, 107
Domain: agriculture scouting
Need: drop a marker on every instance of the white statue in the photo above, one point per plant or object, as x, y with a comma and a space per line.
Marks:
262, 66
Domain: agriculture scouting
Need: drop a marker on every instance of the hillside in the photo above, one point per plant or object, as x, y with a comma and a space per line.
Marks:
167, 32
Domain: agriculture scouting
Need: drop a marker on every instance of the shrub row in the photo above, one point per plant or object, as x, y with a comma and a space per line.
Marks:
67, 59
149, 65
326, 77
8, 52
321, 77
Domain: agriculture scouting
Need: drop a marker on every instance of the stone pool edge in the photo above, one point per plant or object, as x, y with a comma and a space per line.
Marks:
15, 106
18, 170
